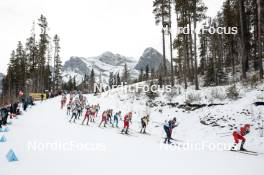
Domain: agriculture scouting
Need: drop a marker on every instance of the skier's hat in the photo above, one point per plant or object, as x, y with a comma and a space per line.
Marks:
247, 126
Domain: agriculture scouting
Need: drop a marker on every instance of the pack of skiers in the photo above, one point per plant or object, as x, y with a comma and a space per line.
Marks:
75, 108
112, 119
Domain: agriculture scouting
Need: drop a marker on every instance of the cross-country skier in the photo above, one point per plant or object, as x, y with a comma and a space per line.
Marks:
69, 108
87, 116
97, 108
93, 113
104, 118
62, 101
109, 115
144, 123
168, 127
127, 120
74, 113
239, 135
79, 110
116, 116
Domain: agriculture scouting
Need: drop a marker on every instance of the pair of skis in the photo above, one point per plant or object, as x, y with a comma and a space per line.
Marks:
253, 153
128, 134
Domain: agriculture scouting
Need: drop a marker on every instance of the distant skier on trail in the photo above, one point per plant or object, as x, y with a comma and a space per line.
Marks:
239, 135
144, 123
97, 108
127, 120
79, 110
63, 101
109, 115
116, 118
168, 127
74, 113
87, 116
93, 113
104, 118
69, 106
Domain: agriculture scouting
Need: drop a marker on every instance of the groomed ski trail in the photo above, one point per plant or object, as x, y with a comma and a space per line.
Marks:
47, 123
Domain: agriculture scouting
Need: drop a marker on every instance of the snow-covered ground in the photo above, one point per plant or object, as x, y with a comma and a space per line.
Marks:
65, 148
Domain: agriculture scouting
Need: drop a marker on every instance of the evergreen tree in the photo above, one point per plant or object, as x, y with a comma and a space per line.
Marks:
140, 77
57, 79
118, 80
42, 51
161, 10
111, 80
147, 72
260, 5
31, 52
126, 75
152, 72
92, 81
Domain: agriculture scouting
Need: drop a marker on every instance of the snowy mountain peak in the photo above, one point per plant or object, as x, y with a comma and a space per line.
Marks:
108, 54
102, 65
150, 51
77, 65
150, 57
110, 62
114, 59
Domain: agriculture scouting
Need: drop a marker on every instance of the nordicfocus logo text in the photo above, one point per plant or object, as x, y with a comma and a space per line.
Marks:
135, 88
210, 30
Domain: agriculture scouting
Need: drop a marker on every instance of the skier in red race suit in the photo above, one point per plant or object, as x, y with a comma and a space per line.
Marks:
127, 120
239, 135
104, 118
87, 116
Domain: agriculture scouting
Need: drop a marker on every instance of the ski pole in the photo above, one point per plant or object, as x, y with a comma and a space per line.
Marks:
225, 135
229, 132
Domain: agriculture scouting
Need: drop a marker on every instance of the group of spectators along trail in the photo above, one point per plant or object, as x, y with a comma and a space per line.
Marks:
12, 110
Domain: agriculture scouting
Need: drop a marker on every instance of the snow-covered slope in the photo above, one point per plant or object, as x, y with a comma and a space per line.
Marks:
65, 148
103, 64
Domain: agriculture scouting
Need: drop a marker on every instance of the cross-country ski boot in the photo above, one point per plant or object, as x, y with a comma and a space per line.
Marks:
126, 131
165, 141
242, 146
233, 147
